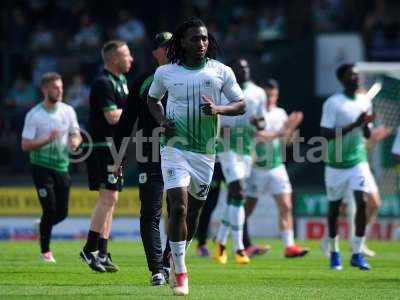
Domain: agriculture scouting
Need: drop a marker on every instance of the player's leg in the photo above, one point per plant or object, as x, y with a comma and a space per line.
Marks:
150, 193
336, 183
209, 206
251, 203
364, 187
44, 184
62, 190
374, 202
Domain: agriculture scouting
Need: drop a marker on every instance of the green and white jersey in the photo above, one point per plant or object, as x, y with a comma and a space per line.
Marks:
195, 131
39, 122
340, 111
241, 130
268, 155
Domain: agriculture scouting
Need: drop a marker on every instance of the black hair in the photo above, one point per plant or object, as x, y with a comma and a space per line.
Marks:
176, 53
342, 69
271, 83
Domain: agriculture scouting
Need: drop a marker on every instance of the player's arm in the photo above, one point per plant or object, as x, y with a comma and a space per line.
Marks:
113, 116
156, 93
33, 144
231, 109
376, 135
129, 115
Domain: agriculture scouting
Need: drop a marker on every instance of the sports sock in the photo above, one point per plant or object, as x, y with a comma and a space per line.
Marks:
236, 219
223, 230
334, 244
92, 242
287, 237
357, 243
103, 246
178, 255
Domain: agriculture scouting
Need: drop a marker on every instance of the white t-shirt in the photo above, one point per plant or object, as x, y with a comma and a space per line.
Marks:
269, 154
39, 122
195, 131
240, 126
340, 111
396, 144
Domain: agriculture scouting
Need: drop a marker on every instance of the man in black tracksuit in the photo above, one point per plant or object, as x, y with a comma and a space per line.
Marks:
151, 183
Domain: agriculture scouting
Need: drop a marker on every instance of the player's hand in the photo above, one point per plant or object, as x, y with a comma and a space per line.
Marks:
208, 106
54, 134
364, 119
379, 133
169, 128
294, 120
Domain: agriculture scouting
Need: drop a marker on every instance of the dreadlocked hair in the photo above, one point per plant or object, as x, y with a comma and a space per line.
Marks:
175, 53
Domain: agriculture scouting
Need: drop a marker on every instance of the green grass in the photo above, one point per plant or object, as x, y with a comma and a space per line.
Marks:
23, 276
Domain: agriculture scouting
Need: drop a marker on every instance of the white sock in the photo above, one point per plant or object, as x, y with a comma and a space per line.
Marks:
357, 243
223, 230
287, 237
334, 244
236, 218
178, 252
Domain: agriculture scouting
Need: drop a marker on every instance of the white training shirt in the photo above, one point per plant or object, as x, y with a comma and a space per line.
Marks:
39, 122
340, 111
195, 131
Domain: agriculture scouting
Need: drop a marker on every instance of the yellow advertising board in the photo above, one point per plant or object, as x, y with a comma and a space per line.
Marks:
23, 201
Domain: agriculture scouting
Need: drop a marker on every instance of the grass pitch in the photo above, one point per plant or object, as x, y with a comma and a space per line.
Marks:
23, 276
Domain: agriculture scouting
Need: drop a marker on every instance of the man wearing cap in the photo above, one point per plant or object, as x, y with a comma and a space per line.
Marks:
151, 183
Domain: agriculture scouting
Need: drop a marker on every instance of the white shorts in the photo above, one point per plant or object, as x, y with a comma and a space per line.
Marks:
181, 168
338, 182
268, 181
234, 166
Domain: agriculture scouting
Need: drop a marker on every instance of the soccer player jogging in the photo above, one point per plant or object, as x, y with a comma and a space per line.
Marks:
236, 163
107, 96
345, 122
151, 183
50, 132
269, 175
194, 81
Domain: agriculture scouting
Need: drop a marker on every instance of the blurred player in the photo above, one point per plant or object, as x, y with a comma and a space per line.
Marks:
151, 184
51, 129
194, 82
236, 164
108, 94
269, 175
346, 119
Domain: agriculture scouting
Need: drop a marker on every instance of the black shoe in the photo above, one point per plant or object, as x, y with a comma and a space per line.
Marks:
158, 279
107, 263
91, 259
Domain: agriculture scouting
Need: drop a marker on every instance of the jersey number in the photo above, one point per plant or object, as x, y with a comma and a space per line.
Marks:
204, 188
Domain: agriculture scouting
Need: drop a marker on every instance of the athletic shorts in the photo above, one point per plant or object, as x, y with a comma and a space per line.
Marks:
235, 166
181, 168
100, 174
268, 181
338, 182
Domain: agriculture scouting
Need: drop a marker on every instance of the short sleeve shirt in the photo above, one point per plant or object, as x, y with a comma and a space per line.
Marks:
340, 111
108, 92
196, 131
39, 122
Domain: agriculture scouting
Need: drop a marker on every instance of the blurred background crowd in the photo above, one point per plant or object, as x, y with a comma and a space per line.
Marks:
277, 38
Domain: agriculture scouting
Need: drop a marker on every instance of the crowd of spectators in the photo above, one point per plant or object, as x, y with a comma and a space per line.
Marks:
66, 36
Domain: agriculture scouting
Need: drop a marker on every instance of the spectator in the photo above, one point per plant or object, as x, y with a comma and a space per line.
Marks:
130, 29
78, 93
325, 15
20, 30
89, 35
271, 24
42, 38
21, 95
382, 31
